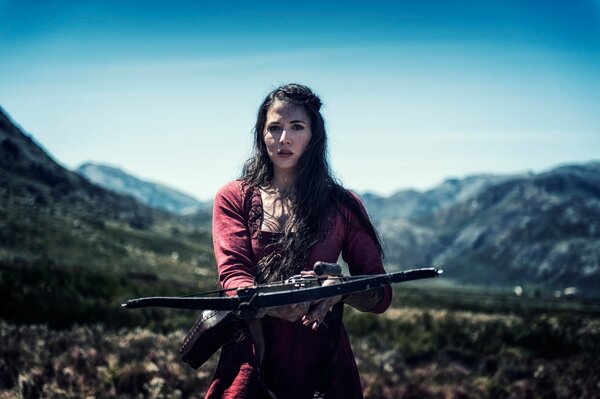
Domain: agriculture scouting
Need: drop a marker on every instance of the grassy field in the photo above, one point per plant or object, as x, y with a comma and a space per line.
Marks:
433, 343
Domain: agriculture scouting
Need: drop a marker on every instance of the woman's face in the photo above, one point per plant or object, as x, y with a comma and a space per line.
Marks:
287, 134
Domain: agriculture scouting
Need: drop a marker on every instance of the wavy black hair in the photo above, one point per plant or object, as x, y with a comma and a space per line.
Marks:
315, 192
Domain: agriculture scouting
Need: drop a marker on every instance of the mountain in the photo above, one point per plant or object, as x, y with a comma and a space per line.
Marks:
542, 229
152, 194
70, 250
416, 205
539, 230
57, 228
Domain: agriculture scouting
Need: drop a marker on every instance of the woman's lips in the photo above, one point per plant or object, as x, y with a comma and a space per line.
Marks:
285, 154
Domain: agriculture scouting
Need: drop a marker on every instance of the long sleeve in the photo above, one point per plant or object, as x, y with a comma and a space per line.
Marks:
362, 256
231, 238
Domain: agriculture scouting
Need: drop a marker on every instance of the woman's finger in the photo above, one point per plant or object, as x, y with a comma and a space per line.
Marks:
317, 314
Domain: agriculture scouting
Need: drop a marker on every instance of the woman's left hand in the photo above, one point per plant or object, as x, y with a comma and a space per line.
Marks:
320, 307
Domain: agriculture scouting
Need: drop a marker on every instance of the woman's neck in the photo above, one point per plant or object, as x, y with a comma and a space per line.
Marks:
283, 181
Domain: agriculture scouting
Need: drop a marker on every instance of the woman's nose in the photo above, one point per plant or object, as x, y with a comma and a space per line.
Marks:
284, 138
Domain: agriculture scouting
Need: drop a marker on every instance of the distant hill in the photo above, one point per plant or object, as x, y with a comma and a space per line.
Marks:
152, 194
537, 230
70, 250
416, 205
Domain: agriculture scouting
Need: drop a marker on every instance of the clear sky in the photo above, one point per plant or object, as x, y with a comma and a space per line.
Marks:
414, 91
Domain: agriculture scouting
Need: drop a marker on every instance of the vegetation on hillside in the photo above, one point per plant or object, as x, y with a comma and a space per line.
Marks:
71, 268
409, 352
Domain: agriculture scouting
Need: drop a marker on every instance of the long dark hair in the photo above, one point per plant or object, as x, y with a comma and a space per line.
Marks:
315, 193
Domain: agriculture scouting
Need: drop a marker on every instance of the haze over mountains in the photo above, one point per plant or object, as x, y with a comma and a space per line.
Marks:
536, 230
152, 194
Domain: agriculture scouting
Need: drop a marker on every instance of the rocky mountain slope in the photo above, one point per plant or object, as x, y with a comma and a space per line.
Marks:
70, 250
536, 230
149, 193
416, 205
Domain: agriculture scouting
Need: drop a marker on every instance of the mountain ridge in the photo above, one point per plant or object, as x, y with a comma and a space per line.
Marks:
150, 193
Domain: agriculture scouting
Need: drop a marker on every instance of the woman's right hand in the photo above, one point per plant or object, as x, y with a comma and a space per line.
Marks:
290, 312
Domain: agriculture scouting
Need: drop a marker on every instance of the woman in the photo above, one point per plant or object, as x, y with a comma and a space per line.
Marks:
283, 215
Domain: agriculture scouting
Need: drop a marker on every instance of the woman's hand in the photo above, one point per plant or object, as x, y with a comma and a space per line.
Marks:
320, 307
290, 312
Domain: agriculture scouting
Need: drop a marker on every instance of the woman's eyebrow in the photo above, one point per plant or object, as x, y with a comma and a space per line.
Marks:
298, 121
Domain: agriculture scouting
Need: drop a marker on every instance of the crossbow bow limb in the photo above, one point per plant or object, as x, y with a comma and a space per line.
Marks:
249, 301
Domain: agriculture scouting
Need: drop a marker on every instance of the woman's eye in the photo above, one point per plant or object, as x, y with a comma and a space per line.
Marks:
298, 127
273, 129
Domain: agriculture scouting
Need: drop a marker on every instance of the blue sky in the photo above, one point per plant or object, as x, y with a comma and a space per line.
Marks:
414, 91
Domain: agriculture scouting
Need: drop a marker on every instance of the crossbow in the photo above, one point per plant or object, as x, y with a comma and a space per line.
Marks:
249, 301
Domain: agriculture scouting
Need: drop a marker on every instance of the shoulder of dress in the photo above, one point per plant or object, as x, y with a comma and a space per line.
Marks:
350, 196
351, 206
230, 193
233, 189
233, 186
242, 198
353, 195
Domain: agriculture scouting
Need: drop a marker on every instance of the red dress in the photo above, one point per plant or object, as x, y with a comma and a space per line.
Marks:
296, 357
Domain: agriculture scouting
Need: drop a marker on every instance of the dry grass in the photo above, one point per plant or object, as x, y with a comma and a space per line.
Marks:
407, 353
